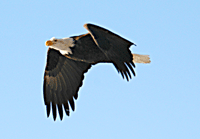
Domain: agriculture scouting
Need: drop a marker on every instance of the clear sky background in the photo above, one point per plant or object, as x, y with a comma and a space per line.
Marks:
161, 102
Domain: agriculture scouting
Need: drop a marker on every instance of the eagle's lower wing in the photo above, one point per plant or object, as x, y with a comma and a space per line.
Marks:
114, 47
62, 80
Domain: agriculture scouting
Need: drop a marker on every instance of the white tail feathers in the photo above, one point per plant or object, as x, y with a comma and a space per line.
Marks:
141, 58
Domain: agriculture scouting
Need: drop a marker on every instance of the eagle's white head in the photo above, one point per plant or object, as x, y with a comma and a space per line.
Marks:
63, 45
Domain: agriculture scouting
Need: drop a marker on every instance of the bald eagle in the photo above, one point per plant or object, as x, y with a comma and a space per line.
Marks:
69, 58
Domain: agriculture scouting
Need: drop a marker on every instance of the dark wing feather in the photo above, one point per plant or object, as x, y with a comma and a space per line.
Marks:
86, 50
62, 80
114, 47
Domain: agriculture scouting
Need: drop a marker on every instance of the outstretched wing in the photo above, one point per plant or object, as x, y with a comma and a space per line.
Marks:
62, 80
114, 47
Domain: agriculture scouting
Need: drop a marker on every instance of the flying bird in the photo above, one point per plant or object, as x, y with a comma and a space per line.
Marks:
69, 58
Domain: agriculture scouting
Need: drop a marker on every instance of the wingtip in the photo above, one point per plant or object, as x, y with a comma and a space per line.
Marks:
86, 25
54, 118
48, 109
61, 118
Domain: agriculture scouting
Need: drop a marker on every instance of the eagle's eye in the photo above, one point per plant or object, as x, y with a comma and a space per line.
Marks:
55, 40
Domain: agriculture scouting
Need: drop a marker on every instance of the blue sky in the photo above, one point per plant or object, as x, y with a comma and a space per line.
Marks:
162, 101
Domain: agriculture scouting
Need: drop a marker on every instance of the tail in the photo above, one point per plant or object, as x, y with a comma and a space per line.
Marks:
141, 58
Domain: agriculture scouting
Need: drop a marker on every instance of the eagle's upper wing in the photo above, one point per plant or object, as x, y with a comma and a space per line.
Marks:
62, 80
114, 47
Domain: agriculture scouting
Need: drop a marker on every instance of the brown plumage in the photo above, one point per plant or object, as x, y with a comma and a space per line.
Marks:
64, 74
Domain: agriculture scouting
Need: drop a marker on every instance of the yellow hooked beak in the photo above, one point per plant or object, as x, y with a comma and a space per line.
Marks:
49, 43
